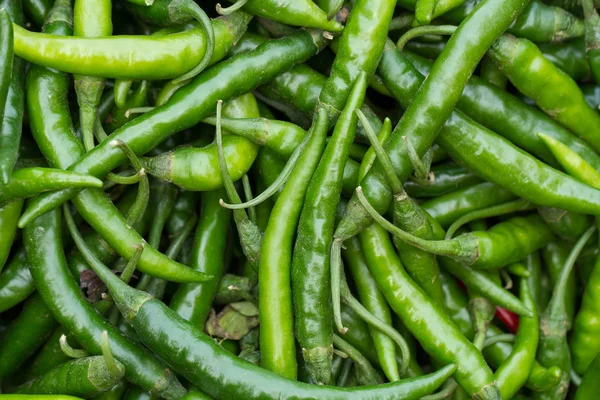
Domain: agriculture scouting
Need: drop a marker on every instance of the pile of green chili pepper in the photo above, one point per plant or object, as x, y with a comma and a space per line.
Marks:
299, 199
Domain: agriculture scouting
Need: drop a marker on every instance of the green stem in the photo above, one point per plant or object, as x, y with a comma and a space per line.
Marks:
384, 159
494, 211
424, 30
69, 351
234, 7
249, 196
111, 365
132, 263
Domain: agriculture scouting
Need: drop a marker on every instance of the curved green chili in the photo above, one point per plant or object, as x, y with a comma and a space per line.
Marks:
204, 363
6, 53
359, 49
275, 276
590, 384
428, 323
126, 57
14, 102
522, 62
178, 12
491, 249
311, 288
9, 215
372, 298
515, 370
553, 347
63, 297
592, 37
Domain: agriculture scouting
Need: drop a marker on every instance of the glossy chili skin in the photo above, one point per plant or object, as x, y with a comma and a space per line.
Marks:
527, 69
513, 372
516, 121
206, 364
511, 240
311, 276
568, 56
6, 52
153, 57
540, 378
85, 377
25, 335
433, 104
584, 340
275, 269
555, 255
15, 281
537, 22
371, 297
449, 207
296, 92
48, 356
448, 177
565, 224
456, 303
427, 322
359, 49
293, 12
193, 302
592, 37
192, 103
12, 122
37, 10
590, 384
62, 296
9, 215
490, 156
197, 168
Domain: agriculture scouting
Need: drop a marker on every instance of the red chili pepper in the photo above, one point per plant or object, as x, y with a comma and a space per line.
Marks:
508, 318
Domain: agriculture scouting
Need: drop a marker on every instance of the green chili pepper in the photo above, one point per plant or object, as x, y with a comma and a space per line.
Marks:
174, 53
9, 215
456, 303
48, 357
218, 371
491, 249
373, 300
311, 288
365, 373
13, 101
565, 224
538, 22
15, 282
521, 61
513, 372
177, 12
555, 255
275, 279
370, 156
444, 85
491, 74
38, 397
91, 18
37, 10
450, 207
570, 57
540, 378
64, 299
27, 182
85, 377
194, 168
6, 52
553, 348
589, 385
25, 335
331, 7
592, 37
510, 117
427, 322
359, 49
297, 13
191, 301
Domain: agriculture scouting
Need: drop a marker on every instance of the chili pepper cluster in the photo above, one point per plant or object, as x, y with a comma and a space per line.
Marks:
328, 199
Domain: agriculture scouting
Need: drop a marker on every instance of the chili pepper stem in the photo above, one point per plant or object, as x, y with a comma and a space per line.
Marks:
69, 351
465, 249
424, 30
336, 267
228, 10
